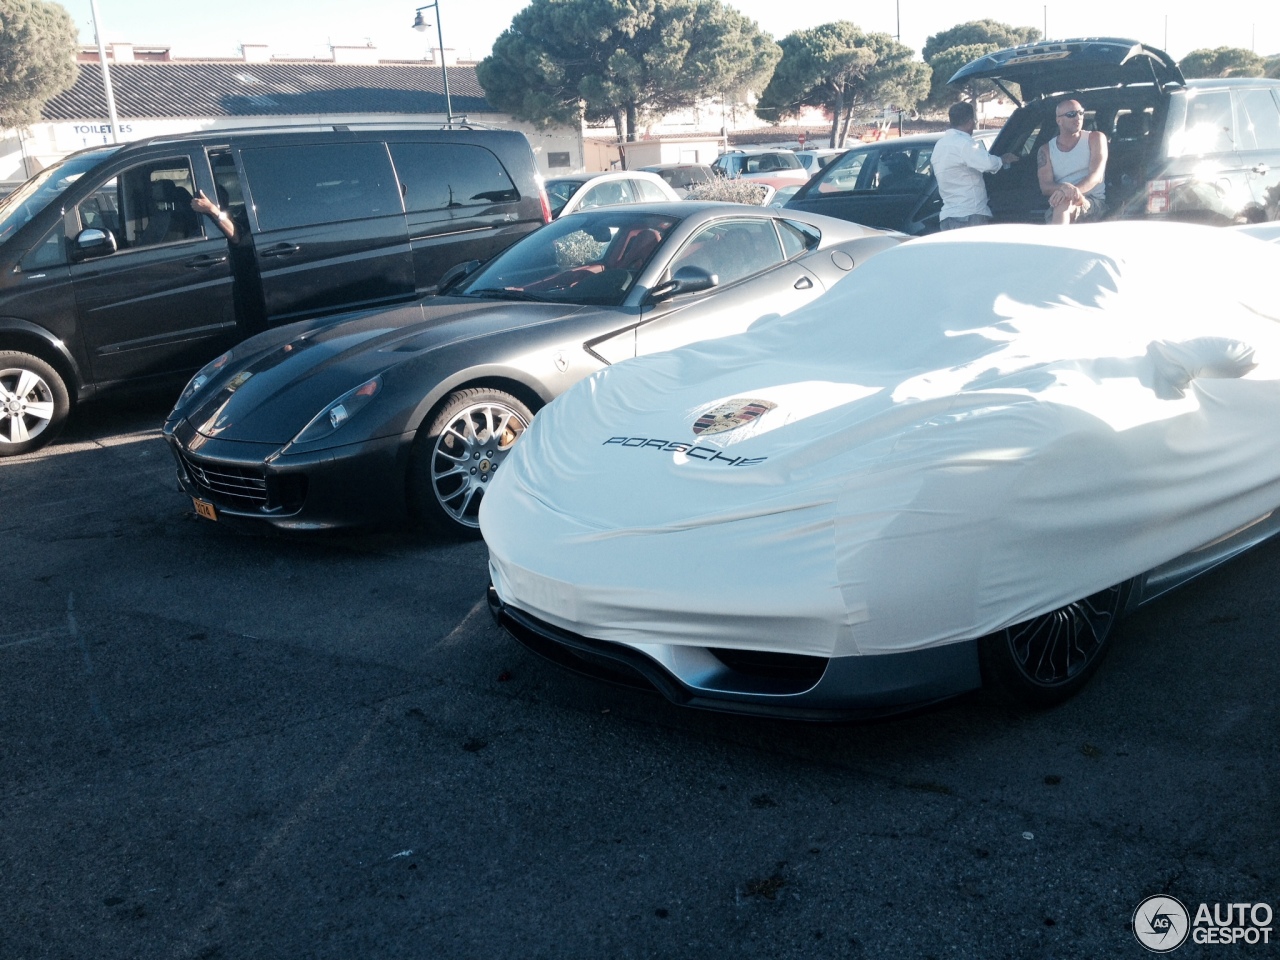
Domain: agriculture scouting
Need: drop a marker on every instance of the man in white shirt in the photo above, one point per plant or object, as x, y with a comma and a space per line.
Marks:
959, 161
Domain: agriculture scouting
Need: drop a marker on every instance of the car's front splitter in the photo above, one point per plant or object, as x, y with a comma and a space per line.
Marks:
770, 685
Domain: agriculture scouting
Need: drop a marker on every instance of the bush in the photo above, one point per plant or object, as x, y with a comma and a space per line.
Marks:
729, 191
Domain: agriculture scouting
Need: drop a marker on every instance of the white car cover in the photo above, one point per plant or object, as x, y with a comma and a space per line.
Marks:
970, 430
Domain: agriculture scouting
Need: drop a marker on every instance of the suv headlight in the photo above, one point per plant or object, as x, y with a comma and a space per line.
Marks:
203, 376
339, 412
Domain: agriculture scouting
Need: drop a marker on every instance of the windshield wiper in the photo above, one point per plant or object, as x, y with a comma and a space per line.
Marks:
497, 293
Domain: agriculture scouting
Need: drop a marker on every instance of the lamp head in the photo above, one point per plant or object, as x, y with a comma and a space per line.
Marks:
418, 23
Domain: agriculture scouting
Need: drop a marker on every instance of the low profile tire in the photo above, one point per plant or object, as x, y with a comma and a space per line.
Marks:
1046, 660
34, 403
455, 456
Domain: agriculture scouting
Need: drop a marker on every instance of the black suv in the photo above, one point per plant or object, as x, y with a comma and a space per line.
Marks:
109, 278
1197, 150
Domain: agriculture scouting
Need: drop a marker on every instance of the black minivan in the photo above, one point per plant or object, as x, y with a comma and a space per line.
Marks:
109, 278
1196, 150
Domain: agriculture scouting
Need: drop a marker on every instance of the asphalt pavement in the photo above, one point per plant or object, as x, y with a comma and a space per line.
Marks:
215, 744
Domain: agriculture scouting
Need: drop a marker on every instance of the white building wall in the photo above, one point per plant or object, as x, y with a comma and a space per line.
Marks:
27, 151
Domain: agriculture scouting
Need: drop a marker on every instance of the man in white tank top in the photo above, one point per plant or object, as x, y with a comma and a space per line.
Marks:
1071, 168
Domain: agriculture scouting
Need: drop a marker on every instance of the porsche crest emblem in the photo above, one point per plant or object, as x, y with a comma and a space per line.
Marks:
730, 415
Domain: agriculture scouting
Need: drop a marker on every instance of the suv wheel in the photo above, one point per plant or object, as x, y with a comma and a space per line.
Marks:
33, 403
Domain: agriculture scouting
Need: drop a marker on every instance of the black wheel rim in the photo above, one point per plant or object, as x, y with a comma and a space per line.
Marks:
467, 454
1056, 647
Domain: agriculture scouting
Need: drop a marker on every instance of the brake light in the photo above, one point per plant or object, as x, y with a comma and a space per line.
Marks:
546, 204
1160, 193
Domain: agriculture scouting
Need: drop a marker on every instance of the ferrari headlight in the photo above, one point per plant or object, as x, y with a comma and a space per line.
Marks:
339, 412
203, 376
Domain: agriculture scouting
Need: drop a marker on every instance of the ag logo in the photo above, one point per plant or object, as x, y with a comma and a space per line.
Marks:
1161, 923
731, 414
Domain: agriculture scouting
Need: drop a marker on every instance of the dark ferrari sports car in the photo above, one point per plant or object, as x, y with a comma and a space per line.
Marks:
406, 412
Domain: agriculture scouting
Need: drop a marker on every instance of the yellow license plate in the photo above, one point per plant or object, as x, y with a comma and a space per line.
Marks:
205, 509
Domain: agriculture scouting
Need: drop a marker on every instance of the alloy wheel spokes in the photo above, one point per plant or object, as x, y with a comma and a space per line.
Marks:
26, 405
1054, 647
468, 453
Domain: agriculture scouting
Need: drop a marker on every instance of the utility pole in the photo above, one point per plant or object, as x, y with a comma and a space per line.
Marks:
106, 74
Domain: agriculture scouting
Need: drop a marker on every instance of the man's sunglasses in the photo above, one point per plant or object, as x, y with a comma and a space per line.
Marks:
1072, 114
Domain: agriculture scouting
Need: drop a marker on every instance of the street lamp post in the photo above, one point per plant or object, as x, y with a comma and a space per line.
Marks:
420, 25
106, 74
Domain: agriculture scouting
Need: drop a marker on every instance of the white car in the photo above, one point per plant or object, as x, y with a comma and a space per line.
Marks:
815, 159
587, 191
960, 465
778, 168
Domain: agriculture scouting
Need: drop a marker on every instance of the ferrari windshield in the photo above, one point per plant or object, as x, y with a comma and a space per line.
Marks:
589, 258
37, 193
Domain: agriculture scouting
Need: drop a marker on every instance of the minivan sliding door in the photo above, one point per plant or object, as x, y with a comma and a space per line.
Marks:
161, 303
329, 228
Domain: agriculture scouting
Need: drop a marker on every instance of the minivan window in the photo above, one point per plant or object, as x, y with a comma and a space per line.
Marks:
1260, 122
441, 176
34, 195
146, 205
310, 184
1209, 127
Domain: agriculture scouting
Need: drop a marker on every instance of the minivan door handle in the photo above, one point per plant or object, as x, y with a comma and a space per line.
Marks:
281, 250
804, 283
205, 261
1261, 169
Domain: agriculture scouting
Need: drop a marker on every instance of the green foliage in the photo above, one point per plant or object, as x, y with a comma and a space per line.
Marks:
840, 69
1272, 69
978, 32
945, 64
578, 248
562, 61
729, 191
949, 50
1222, 62
38, 45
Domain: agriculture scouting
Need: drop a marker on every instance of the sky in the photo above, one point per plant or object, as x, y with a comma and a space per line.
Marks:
306, 28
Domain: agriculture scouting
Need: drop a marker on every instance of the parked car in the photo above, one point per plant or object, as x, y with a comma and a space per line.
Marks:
680, 177
778, 168
109, 279
407, 412
815, 159
960, 466
887, 184
780, 197
1197, 150
587, 191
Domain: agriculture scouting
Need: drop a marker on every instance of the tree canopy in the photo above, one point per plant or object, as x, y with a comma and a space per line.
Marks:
38, 44
949, 50
1222, 62
840, 69
978, 31
562, 61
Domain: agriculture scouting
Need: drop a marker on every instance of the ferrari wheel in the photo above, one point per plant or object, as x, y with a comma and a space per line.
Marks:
456, 456
33, 403
1047, 659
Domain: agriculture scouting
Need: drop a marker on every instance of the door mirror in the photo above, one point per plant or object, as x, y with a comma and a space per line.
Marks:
92, 242
686, 280
456, 274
